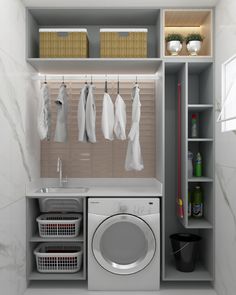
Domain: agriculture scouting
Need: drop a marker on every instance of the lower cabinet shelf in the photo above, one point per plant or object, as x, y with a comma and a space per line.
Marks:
199, 274
37, 238
199, 223
37, 276
200, 179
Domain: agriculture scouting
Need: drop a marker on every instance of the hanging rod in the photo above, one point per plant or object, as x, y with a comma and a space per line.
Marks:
97, 77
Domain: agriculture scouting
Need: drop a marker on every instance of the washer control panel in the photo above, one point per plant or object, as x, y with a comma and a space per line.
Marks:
135, 206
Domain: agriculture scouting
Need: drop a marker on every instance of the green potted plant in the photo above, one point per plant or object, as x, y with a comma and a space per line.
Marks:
174, 43
194, 43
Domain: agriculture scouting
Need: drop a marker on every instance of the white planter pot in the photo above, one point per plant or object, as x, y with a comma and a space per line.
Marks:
174, 47
194, 47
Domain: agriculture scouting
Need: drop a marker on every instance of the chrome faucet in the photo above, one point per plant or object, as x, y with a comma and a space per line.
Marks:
59, 170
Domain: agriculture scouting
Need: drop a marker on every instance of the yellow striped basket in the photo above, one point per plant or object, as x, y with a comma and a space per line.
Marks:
123, 43
63, 43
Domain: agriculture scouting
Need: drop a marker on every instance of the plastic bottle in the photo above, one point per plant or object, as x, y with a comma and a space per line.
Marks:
197, 202
194, 126
198, 165
190, 164
189, 204
180, 208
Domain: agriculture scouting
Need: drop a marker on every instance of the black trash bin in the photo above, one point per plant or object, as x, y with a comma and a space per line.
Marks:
185, 248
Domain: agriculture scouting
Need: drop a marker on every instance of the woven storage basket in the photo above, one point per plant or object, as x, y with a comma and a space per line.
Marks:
59, 258
63, 43
123, 43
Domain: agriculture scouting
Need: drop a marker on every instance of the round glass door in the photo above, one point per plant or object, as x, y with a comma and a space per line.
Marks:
123, 244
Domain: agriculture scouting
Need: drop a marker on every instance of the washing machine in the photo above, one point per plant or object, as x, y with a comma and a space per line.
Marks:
123, 244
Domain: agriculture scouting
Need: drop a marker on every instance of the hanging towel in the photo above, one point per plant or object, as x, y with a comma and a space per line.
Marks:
90, 114
62, 108
44, 113
120, 118
134, 159
81, 115
107, 117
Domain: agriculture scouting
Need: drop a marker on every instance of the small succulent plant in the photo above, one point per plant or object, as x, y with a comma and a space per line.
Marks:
193, 37
175, 37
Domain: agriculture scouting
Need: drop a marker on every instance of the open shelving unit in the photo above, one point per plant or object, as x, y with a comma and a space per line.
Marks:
93, 20
196, 77
187, 21
33, 239
196, 97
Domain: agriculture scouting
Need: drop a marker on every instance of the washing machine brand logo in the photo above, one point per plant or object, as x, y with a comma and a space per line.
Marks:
94, 202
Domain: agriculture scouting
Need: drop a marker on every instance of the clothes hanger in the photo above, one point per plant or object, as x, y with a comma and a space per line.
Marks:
45, 79
63, 82
86, 82
91, 82
118, 86
106, 85
136, 82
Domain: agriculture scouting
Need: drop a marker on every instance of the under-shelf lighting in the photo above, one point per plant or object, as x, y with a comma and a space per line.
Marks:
98, 77
183, 30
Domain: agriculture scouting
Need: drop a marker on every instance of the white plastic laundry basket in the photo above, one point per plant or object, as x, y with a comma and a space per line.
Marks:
56, 204
59, 258
59, 225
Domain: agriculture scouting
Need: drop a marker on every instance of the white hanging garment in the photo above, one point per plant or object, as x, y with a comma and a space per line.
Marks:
134, 159
62, 109
120, 118
44, 113
81, 115
91, 115
107, 117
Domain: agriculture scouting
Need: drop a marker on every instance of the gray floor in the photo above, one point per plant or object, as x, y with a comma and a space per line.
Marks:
71, 288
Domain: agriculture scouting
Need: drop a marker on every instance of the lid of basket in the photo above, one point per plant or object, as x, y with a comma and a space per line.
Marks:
136, 30
63, 30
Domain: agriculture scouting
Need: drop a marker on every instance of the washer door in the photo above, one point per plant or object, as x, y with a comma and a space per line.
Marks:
123, 244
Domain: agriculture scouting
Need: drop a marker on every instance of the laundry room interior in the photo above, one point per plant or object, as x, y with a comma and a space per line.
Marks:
118, 147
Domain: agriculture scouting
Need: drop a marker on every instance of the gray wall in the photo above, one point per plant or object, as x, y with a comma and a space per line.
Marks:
225, 161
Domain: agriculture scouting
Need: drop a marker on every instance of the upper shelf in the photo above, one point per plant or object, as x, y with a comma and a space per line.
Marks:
187, 21
95, 65
93, 20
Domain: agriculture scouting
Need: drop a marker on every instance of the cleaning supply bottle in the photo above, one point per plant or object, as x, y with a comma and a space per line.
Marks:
189, 204
197, 202
190, 164
198, 165
180, 208
194, 126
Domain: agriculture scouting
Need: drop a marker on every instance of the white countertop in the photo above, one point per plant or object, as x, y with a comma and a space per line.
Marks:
144, 187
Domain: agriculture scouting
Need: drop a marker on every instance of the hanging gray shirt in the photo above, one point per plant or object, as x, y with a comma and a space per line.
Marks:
62, 109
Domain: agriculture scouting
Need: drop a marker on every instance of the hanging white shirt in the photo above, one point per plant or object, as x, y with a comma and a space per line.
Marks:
62, 109
134, 160
107, 117
44, 113
120, 118
90, 115
81, 115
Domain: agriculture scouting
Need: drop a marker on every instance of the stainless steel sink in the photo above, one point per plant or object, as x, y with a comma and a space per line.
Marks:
62, 190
